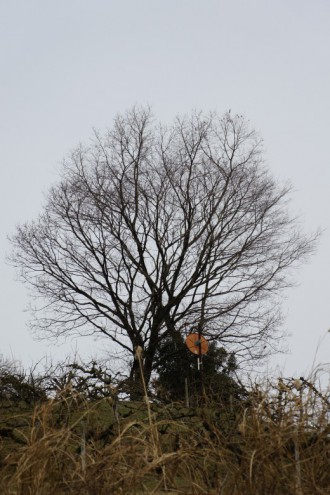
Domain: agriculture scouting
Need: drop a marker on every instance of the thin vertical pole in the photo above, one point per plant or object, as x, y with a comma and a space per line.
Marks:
186, 390
297, 462
200, 362
83, 446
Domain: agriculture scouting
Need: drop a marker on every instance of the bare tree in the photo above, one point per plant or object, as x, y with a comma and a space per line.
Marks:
154, 230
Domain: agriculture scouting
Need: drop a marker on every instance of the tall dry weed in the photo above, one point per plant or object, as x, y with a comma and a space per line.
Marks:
276, 443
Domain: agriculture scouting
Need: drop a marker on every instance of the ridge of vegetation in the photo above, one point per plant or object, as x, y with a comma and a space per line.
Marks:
275, 440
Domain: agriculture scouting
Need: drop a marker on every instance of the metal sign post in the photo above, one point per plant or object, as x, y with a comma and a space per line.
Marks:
198, 345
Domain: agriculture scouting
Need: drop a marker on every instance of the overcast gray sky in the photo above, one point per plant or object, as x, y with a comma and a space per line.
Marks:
70, 65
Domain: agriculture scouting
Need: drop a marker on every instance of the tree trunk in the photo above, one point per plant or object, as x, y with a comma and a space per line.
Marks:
136, 391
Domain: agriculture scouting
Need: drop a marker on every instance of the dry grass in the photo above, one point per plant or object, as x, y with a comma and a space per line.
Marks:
277, 443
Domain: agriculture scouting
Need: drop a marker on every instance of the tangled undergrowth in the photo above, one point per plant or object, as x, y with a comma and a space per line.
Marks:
277, 441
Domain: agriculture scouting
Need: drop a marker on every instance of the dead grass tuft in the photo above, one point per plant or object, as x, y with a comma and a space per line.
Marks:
277, 442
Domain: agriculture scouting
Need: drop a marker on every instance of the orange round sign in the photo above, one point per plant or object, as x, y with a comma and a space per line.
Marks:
197, 344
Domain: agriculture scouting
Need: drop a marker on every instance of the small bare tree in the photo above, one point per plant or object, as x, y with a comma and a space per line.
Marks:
154, 230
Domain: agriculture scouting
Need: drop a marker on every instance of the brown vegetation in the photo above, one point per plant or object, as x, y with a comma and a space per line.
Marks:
277, 442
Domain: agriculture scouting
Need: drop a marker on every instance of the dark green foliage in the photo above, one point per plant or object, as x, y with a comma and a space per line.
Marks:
176, 367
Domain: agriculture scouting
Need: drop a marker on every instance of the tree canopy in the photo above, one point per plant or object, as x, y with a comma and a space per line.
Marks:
155, 229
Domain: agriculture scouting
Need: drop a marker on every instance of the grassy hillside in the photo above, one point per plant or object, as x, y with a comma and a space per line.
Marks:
275, 442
